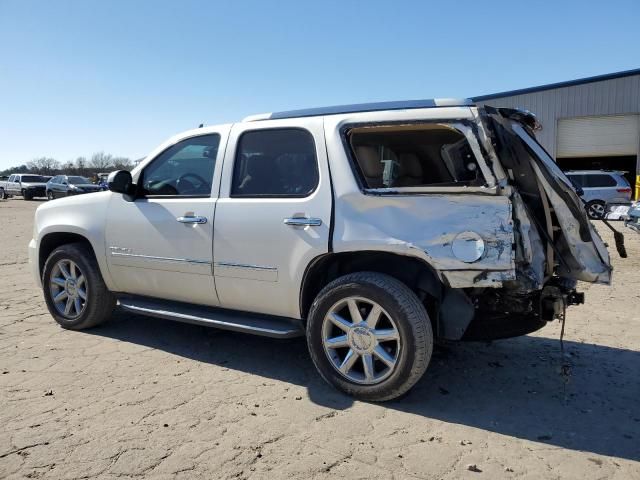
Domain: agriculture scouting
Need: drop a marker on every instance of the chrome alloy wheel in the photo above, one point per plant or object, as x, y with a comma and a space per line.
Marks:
361, 340
68, 288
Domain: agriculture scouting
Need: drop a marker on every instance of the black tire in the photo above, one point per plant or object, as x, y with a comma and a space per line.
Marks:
49, 195
26, 195
408, 314
595, 209
3, 196
100, 302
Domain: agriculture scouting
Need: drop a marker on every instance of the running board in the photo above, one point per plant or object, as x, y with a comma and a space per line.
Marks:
245, 322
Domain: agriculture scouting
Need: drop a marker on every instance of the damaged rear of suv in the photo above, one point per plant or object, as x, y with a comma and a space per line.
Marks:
478, 199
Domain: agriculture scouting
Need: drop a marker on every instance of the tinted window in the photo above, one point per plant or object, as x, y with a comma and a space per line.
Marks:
577, 180
183, 169
34, 179
599, 181
79, 180
275, 163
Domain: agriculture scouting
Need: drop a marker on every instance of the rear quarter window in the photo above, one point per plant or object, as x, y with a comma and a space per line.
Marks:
425, 155
599, 180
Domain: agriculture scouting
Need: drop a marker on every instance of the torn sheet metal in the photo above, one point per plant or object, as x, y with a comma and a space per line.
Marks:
585, 257
426, 227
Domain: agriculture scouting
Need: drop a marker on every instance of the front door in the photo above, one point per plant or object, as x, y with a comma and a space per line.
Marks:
274, 214
161, 243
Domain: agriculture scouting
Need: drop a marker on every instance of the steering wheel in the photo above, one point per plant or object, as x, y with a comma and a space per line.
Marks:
185, 187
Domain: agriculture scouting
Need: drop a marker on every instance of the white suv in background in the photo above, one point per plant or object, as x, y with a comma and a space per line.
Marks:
599, 188
372, 230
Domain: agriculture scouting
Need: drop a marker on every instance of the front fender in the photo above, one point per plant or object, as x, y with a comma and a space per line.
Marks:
83, 215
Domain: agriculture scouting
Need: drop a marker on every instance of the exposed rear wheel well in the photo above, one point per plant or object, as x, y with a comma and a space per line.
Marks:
52, 241
420, 277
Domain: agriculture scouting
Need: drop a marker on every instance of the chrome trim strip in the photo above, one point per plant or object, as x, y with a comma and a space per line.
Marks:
192, 219
303, 222
162, 259
244, 265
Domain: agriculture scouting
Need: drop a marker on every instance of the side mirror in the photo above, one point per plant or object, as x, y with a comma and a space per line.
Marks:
120, 181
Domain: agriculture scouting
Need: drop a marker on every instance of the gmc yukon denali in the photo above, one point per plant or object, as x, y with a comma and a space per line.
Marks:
373, 230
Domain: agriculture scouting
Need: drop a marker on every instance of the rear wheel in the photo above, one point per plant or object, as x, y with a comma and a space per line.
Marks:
3, 196
369, 336
595, 209
74, 290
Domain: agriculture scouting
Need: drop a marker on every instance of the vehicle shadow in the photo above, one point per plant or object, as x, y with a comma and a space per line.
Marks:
513, 387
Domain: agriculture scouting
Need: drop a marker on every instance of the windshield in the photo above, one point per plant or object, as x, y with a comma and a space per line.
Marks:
79, 180
34, 179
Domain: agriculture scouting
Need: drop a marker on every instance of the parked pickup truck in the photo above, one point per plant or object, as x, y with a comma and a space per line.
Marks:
25, 184
372, 230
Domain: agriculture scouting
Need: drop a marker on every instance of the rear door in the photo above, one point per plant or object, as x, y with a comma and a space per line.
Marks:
274, 214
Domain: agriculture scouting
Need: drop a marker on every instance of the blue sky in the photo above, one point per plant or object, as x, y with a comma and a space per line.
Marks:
121, 76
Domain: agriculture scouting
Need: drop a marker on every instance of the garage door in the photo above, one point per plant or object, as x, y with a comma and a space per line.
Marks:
598, 136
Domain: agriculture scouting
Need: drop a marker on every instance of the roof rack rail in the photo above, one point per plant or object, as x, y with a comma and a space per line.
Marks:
363, 107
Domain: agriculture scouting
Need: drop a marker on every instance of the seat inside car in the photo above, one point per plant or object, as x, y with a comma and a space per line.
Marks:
372, 167
410, 171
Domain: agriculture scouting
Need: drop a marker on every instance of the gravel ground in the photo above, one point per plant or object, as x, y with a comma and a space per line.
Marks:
147, 397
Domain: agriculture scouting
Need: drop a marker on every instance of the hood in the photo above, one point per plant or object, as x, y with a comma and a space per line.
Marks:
71, 202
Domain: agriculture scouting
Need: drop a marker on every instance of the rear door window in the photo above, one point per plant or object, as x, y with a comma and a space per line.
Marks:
275, 163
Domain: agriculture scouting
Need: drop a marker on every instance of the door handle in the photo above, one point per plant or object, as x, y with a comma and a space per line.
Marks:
192, 219
302, 222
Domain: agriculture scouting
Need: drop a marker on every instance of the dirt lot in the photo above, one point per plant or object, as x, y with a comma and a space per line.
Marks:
146, 397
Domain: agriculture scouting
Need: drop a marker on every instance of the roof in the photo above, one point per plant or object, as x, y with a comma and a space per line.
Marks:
364, 107
551, 86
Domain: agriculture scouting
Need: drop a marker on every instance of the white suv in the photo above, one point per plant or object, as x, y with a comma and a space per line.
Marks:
371, 229
600, 187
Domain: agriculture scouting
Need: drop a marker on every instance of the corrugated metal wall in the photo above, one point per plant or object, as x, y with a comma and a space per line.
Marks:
607, 97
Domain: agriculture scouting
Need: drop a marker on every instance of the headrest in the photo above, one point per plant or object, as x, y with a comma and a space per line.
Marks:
369, 161
410, 165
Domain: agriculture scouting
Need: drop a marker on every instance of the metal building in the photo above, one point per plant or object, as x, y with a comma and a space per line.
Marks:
589, 123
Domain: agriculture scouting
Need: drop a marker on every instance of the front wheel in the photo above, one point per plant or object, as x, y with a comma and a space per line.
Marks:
49, 195
369, 336
26, 195
3, 195
74, 290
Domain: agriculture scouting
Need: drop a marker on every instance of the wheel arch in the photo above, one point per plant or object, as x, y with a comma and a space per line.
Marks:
422, 278
53, 240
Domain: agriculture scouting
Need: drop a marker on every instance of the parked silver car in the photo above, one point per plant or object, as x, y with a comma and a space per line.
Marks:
600, 187
372, 230
25, 184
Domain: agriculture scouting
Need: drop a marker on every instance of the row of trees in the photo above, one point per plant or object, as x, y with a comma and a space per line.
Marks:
98, 162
